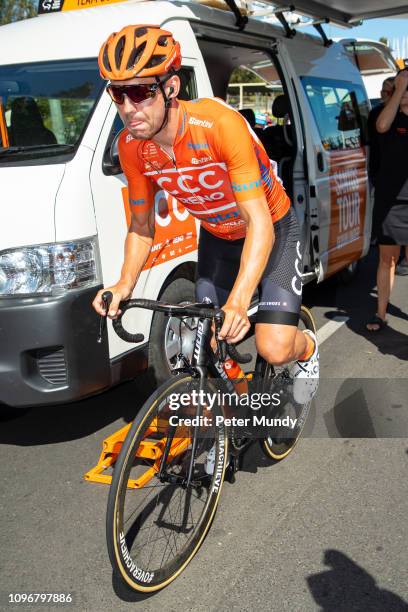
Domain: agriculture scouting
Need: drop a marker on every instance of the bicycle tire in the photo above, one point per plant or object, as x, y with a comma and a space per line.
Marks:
279, 450
125, 558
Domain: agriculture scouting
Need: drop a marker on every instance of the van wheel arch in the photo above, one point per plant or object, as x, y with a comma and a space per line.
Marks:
178, 288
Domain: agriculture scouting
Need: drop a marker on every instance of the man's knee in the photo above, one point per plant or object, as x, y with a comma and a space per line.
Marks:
275, 350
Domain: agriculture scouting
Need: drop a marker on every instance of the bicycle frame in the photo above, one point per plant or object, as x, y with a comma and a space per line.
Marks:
204, 360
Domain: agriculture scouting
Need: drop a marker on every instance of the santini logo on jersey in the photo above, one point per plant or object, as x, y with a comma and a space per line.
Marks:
201, 122
198, 145
219, 218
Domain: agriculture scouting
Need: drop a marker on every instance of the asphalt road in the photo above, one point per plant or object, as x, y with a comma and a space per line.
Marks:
324, 530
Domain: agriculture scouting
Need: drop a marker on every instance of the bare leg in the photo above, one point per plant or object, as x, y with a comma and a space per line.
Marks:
279, 344
385, 279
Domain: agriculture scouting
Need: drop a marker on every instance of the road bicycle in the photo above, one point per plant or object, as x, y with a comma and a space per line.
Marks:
168, 477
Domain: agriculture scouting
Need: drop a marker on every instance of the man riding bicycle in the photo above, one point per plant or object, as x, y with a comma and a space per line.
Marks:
249, 235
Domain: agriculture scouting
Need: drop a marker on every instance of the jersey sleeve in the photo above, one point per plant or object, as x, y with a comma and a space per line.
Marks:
242, 155
141, 191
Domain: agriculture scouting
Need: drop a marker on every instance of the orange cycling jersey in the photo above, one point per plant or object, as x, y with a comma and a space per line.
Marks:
218, 162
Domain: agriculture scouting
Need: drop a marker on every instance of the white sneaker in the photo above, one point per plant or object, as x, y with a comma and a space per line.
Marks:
305, 375
210, 461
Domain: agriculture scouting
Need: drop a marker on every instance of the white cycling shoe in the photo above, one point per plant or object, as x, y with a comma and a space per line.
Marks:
210, 461
305, 375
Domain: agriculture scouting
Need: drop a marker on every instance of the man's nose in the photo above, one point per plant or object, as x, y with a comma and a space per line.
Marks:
128, 105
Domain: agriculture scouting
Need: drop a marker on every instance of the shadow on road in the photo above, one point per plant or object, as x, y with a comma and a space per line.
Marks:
347, 587
358, 301
51, 424
388, 341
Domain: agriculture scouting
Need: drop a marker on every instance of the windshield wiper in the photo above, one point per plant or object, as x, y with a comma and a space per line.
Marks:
32, 148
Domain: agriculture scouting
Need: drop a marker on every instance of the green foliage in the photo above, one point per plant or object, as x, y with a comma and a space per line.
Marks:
15, 10
243, 75
384, 40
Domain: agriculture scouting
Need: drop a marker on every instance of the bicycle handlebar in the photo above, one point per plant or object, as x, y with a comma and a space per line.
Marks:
178, 310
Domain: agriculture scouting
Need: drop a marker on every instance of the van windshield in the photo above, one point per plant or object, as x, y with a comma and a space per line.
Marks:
45, 107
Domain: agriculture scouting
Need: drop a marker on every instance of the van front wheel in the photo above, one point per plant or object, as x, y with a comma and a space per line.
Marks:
169, 335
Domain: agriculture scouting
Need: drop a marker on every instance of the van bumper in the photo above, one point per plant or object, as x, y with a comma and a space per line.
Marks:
48, 349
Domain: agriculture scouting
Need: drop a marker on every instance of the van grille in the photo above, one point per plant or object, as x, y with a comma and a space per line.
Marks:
52, 366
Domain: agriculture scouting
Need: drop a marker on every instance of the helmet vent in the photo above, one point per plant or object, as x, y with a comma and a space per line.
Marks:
137, 53
106, 62
163, 41
155, 61
119, 50
141, 32
133, 58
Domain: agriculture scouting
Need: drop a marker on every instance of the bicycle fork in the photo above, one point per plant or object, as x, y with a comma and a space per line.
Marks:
163, 475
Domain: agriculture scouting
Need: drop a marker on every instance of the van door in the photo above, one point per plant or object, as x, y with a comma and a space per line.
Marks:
335, 108
232, 60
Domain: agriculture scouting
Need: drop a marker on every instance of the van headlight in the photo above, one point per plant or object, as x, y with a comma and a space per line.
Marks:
45, 268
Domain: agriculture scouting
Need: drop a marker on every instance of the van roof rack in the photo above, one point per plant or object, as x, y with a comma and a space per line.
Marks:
243, 9
241, 19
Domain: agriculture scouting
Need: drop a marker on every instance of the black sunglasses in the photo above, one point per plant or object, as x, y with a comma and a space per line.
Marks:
135, 93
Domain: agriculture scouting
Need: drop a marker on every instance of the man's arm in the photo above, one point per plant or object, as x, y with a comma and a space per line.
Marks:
138, 244
388, 114
139, 238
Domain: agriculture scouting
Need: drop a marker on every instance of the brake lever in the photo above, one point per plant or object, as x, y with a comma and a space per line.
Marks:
221, 344
107, 297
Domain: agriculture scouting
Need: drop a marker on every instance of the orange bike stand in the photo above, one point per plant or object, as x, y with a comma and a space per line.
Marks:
148, 450
110, 450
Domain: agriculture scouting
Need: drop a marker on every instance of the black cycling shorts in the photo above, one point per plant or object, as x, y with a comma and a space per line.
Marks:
280, 289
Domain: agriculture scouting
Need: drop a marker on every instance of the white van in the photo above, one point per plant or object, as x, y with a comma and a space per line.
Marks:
64, 207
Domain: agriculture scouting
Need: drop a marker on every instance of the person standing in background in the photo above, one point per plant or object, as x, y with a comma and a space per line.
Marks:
391, 192
374, 154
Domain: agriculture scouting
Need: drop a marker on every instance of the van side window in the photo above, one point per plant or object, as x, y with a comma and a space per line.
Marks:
340, 110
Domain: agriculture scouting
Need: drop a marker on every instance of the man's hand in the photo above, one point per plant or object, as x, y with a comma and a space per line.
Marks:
401, 81
236, 323
120, 292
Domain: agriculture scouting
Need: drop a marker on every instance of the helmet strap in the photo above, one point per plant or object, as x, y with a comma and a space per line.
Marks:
167, 103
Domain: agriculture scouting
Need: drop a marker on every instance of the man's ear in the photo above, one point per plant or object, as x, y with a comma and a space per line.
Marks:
174, 86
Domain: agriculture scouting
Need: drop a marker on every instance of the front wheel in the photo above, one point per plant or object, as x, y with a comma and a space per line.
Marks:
280, 442
159, 510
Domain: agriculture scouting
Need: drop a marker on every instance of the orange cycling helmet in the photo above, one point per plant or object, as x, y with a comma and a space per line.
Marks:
138, 51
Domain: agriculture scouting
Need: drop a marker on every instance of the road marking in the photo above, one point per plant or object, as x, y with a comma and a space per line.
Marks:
330, 328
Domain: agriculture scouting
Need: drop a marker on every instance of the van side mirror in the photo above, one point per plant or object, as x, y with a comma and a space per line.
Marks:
110, 163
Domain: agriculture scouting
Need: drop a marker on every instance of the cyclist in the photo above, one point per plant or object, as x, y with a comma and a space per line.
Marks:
205, 154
